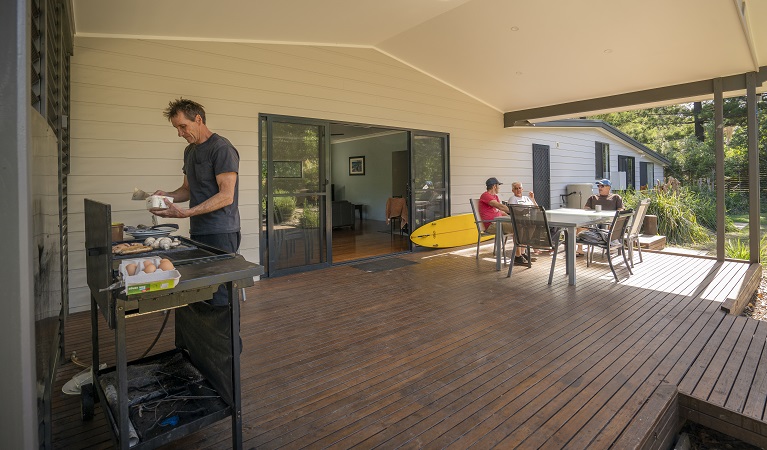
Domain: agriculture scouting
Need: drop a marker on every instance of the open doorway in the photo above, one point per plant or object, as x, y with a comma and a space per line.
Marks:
338, 192
369, 166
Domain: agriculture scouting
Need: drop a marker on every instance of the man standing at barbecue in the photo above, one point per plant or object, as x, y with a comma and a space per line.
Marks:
211, 166
211, 183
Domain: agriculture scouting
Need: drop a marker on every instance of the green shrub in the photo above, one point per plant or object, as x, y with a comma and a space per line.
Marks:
688, 217
736, 248
310, 218
677, 214
736, 202
677, 218
739, 249
284, 207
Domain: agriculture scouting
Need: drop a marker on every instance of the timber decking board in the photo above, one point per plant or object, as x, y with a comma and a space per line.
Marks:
748, 371
732, 366
450, 353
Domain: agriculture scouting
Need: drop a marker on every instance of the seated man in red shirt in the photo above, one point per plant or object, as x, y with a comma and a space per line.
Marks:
490, 207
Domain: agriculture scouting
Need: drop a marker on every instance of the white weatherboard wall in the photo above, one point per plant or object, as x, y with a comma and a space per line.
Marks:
120, 139
378, 159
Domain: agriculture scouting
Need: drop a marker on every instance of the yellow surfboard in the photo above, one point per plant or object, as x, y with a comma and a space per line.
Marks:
452, 231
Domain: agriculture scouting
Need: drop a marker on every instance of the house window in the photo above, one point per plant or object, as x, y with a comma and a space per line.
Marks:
627, 164
602, 157
646, 175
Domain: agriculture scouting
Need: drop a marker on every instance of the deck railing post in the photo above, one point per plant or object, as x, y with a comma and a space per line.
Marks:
753, 168
719, 138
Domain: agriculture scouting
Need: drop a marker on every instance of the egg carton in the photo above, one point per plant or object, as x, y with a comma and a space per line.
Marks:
143, 282
158, 201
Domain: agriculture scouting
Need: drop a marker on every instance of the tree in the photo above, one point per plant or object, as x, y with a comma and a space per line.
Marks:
684, 134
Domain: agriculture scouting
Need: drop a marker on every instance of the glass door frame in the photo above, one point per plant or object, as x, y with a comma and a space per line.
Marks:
414, 191
267, 237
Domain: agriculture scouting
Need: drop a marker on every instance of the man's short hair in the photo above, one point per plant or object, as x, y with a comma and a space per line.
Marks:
190, 108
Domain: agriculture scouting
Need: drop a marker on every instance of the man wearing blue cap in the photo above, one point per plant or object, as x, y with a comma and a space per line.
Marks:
608, 201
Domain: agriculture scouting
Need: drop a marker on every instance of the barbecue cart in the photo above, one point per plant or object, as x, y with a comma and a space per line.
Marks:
155, 400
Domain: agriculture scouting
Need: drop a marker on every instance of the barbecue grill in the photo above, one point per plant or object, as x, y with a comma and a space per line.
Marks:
212, 395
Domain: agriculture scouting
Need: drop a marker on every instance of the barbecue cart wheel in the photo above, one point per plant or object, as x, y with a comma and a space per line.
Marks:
86, 401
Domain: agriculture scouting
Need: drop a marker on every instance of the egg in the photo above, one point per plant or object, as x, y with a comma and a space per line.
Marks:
149, 261
131, 268
165, 264
150, 268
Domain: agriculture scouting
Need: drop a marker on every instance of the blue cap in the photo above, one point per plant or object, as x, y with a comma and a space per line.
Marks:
605, 182
492, 181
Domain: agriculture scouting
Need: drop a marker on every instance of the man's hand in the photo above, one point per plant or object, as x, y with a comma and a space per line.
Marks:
531, 195
172, 211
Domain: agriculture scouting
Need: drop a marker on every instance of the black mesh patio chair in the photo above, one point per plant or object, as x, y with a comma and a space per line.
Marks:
611, 239
531, 231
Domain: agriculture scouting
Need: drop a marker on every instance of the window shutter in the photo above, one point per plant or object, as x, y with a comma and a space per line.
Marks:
599, 161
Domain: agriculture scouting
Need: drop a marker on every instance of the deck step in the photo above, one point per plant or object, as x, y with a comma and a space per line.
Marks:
657, 423
734, 424
652, 242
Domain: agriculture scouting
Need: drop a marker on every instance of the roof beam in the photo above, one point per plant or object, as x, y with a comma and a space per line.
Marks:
663, 94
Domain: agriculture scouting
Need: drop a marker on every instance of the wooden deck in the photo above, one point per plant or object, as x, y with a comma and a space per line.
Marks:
448, 353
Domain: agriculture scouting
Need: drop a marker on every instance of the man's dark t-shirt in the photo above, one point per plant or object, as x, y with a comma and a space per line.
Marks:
612, 202
201, 165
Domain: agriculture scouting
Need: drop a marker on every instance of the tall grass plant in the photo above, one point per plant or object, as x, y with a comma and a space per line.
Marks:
678, 214
739, 249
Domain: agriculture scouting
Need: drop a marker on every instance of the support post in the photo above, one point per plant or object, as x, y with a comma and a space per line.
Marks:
754, 193
17, 323
719, 175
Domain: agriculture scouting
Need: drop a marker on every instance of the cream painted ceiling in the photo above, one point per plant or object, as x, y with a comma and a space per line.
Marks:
510, 54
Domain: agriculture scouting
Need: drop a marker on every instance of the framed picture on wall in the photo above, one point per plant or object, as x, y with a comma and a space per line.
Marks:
356, 165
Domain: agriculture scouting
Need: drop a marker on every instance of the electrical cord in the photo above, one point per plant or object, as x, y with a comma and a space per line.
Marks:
77, 361
159, 333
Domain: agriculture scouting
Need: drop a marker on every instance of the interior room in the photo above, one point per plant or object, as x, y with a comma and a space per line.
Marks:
369, 165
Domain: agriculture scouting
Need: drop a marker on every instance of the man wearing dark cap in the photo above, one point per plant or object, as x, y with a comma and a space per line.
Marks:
490, 207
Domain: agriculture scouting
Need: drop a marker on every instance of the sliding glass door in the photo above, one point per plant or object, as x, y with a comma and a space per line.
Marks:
294, 206
429, 177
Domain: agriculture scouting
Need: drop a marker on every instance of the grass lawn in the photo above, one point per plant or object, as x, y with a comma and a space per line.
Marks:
740, 249
736, 249
743, 218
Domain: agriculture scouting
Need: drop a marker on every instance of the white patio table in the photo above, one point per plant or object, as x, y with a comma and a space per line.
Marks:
568, 218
